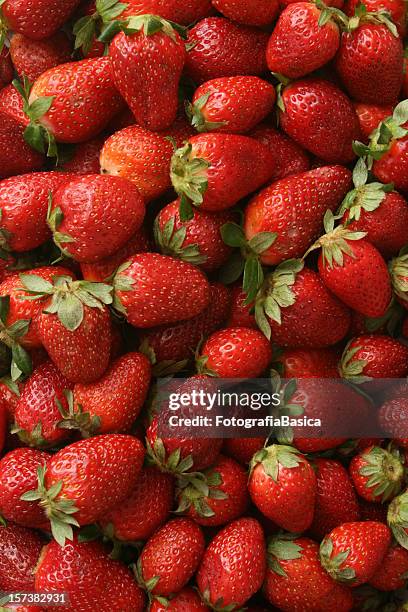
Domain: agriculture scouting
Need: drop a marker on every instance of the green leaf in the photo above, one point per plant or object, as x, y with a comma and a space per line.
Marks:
262, 242
21, 359
36, 284
34, 136
40, 107
185, 210
233, 235
4, 308
71, 312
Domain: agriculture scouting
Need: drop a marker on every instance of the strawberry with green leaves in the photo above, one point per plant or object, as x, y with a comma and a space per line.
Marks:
374, 356
16, 156
186, 600
370, 116
399, 276
396, 9
377, 473
36, 19
397, 518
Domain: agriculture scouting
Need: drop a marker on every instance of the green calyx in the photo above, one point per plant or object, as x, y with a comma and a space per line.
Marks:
218, 606
57, 509
196, 489
36, 135
87, 28
282, 548
398, 268
189, 176
171, 241
74, 417
68, 297
152, 24
173, 464
196, 116
55, 217
121, 282
384, 472
397, 518
5, 236
146, 585
353, 369
275, 294
3, 27
202, 368
285, 435
335, 565
381, 17
249, 260
33, 438
271, 457
21, 365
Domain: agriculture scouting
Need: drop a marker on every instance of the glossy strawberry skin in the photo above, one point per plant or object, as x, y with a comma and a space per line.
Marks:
184, 14
85, 99
392, 167
16, 156
20, 549
32, 58
241, 314
370, 116
257, 13
317, 102
290, 158
91, 579
239, 545
242, 449
391, 574
172, 553
396, 8
294, 208
38, 19
12, 104
221, 48
385, 357
309, 363
187, 600
85, 158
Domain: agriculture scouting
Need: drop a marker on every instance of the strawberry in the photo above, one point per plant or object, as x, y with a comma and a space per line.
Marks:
113, 402
370, 116
233, 566
309, 363
33, 57
91, 579
197, 241
392, 574
353, 269
336, 500
242, 449
234, 105
20, 549
290, 158
171, 557
84, 159
87, 478
396, 9
300, 30
372, 511
37, 414
185, 14
138, 517
241, 314
235, 352
377, 474
218, 498
38, 19
218, 48
353, 552
18, 474
6, 68
320, 118
108, 208
392, 417
397, 518
374, 356
399, 276
257, 13
214, 171
187, 600
153, 289
293, 208
16, 156
148, 86
12, 104
282, 484
295, 580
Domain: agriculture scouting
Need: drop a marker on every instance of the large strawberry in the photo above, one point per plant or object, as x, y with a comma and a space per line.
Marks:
233, 566
36, 19
87, 479
321, 118
16, 156
32, 58
290, 158
20, 550
107, 208
374, 356
392, 573
256, 13
149, 86
377, 474
282, 485
152, 289
91, 579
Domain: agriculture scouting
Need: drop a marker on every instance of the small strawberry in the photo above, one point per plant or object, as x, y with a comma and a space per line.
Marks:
370, 116
234, 105
218, 47
91, 579
152, 289
241, 313
171, 557
187, 600
140, 516
16, 156
6, 67
336, 500
374, 356
290, 158
282, 485
38, 19
392, 574
20, 550
396, 9
309, 363
399, 276
33, 57
233, 566
84, 159
320, 118
257, 13
377, 474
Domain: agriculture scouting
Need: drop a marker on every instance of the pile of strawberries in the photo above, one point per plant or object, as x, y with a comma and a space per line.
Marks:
193, 190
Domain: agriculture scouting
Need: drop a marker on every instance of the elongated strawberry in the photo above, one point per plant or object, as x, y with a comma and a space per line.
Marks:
353, 552
393, 571
290, 158
86, 479
38, 19
282, 485
234, 105
91, 579
239, 545
374, 356
214, 171
171, 557
32, 58
153, 289
218, 47
377, 474
399, 276
20, 550
186, 599
370, 116
319, 117
108, 208
16, 156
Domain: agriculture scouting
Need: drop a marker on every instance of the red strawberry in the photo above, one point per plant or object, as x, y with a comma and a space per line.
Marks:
6, 67
374, 356
171, 557
153, 289
393, 571
87, 479
218, 47
399, 276
300, 30
33, 57
84, 159
295, 580
354, 551
37, 414
293, 208
18, 474
148, 86
20, 549
234, 105
12, 104
9, 395
241, 313
185, 14
320, 117
336, 501
256, 13
309, 363
370, 116
16, 156
396, 9
236, 352
219, 497
392, 418
36, 19
139, 516
90, 578
377, 474
187, 600
233, 566
290, 158
282, 485
243, 449
372, 511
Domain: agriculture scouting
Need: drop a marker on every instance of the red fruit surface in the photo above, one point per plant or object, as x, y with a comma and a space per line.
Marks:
16, 156
33, 57
20, 549
37, 19
290, 158
255, 13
